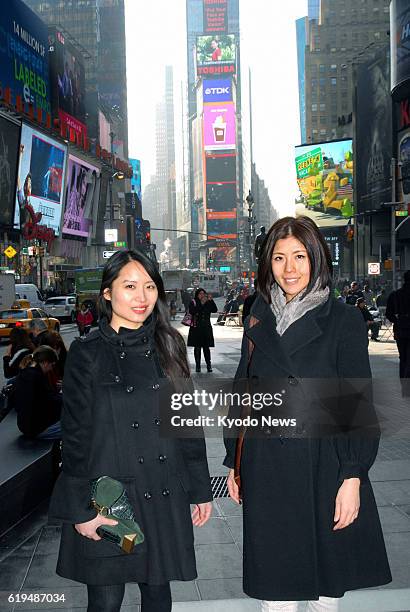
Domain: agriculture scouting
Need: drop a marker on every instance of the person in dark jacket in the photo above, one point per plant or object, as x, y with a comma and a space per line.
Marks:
398, 312
200, 335
311, 527
353, 294
37, 329
36, 401
247, 305
20, 346
113, 381
371, 324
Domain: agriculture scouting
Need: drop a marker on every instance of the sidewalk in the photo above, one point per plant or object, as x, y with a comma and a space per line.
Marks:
28, 554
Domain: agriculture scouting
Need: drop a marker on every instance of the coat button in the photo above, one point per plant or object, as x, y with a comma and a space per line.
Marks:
123, 355
292, 380
165, 492
157, 421
140, 459
155, 387
147, 495
148, 354
117, 379
162, 458
135, 425
130, 389
144, 340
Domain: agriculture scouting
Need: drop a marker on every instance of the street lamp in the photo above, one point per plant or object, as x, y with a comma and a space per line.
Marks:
250, 202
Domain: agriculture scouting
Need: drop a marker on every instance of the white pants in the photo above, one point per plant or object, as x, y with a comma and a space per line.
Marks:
323, 604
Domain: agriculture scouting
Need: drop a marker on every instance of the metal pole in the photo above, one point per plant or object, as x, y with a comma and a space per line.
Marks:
393, 222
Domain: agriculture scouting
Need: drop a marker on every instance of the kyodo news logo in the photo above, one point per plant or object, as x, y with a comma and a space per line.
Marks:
217, 90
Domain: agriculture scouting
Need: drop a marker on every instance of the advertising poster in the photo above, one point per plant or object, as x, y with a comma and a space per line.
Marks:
220, 168
373, 145
24, 55
136, 177
81, 195
404, 158
220, 197
215, 16
40, 180
324, 174
216, 54
217, 90
400, 42
219, 127
9, 146
221, 227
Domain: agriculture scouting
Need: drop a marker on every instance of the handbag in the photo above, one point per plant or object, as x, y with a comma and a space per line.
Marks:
189, 319
109, 498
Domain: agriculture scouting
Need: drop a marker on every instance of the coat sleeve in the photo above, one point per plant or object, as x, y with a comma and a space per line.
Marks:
356, 450
213, 306
70, 500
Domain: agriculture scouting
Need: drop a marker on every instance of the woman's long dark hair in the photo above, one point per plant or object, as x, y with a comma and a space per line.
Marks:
307, 232
170, 344
19, 339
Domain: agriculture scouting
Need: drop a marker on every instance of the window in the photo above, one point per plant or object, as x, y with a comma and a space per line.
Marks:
323, 132
333, 50
313, 83
314, 107
377, 35
322, 106
344, 93
322, 82
322, 68
333, 67
36, 314
323, 119
314, 120
333, 81
334, 118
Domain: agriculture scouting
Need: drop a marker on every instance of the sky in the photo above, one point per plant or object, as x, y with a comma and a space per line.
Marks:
156, 37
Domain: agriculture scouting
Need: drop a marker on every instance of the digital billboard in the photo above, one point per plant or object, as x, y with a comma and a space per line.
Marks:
217, 90
216, 54
215, 16
24, 56
221, 227
81, 195
39, 180
400, 42
136, 177
219, 126
324, 175
220, 167
220, 197
9, 146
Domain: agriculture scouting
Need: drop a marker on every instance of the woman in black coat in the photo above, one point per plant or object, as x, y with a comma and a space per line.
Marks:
113, 380
311, 527
20, 346
200, 334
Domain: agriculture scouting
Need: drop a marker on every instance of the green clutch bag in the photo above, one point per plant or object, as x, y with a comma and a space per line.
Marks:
109, 498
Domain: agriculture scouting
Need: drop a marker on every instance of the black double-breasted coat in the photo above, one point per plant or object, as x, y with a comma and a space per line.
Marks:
290, 485
201, 333
111, 427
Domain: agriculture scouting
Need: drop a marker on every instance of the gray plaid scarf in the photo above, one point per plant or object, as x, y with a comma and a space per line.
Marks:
288, 313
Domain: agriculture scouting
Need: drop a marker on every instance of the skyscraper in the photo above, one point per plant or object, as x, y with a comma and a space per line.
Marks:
99, 26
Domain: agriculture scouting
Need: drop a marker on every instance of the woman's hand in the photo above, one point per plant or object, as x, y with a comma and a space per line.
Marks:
201, 514
8, 350
89, 529
233, 487
347, 503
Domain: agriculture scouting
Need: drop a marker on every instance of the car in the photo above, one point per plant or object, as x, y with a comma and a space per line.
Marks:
21, 317
61, 307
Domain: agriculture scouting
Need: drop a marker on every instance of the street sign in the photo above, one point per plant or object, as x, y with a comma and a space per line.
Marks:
120, 244
108, 254
111, 235
373, 268
10, 252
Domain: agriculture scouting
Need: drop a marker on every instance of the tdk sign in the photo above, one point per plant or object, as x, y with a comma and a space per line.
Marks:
217, 90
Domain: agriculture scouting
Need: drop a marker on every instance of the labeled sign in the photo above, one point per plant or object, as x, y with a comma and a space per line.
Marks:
373, 268
10, 252
219, 126
108, 254
217, 90
215, 16
111, 235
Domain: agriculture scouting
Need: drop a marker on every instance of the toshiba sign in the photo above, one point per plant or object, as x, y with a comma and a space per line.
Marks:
217, 90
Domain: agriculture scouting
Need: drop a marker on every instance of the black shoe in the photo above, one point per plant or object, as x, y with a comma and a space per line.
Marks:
209, 368
375, 339
198, 369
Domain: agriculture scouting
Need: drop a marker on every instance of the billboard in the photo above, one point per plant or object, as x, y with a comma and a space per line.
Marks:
220, 167
324, 174
400, 42
9, 146
216, 54
81, 195
221, 227
24, 56
220, 197
373, 142
219, 126
136, 177
215, 16
39, 181
217, 90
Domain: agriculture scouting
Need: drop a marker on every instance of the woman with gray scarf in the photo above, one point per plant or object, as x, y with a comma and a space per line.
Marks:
311, 527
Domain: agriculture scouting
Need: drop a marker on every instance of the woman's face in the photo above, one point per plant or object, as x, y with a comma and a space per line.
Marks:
133, 296
201, 296
290, 266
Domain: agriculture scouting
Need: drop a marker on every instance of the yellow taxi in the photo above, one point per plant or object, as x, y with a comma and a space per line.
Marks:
22, 317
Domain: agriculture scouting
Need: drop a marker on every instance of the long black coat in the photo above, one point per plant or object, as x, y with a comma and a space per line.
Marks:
202, 334
110, 423
290, 485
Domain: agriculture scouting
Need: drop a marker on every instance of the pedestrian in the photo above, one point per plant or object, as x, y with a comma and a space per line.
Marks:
200, 335
19, 347
247, 305
172, 309
371, 324
113, 382
368, 295
398, 312
354, 293
311, 527
84, 320
38, 328
381, 303
55, 340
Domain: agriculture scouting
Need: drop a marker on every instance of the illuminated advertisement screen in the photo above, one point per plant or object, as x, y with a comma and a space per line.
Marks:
24, 56
220, 197
80, 196
221, 227
324, 173
217, 90
216, 54
136, 177
219, 126
40, 180
220, 168
9, 146
215, 16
